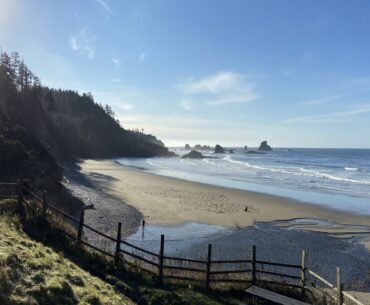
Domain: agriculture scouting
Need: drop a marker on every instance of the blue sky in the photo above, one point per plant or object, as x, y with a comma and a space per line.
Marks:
295, 73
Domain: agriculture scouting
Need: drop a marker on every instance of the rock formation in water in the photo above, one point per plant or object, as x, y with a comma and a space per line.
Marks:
187, 146
202, 147
219, 149
264, 146
193, 155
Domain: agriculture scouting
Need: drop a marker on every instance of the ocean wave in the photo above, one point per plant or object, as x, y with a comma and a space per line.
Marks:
351, 169
332, 177
188, 162
247, 164
303, 171
156, 165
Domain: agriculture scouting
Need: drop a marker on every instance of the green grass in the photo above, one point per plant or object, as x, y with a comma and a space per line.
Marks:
31, 273
53, 272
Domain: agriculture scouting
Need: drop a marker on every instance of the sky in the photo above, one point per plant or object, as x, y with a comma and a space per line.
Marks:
292, 72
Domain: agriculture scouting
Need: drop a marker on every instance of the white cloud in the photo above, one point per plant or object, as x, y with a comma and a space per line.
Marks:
83, 42
104, 5
186, 104
124, 106
221, 88
362, 81
116, 62
359, 109
241, 97
321, 100
115, 80
142, 56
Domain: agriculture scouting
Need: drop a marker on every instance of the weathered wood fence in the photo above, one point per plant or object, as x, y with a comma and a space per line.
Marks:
207, 272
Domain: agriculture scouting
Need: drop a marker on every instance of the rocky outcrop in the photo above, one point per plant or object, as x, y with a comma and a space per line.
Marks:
245, 147
200, 147
264, 146
187, 146
193, 155
219, 149
231, 151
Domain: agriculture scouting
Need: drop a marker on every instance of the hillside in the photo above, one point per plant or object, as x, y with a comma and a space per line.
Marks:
41, 128
33, 273
91, 131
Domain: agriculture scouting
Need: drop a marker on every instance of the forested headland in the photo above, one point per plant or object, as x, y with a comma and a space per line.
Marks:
43, 128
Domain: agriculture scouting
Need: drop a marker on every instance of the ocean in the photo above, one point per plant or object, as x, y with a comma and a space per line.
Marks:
336, 178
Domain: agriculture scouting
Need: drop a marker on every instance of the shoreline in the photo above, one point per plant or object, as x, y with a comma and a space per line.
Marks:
121, 194
155, 197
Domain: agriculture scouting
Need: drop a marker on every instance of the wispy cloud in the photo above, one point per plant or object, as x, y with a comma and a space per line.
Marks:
83, 42
142, 56
116, 62
105, 6
221, 88
307, 55
359, 109
124, 106
321, 100
364, 81
115, 80
186, 104
287, 72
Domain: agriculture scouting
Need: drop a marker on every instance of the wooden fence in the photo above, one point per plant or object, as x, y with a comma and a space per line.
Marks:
207, 272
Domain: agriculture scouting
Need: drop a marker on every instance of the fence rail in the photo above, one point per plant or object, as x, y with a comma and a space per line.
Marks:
206, 271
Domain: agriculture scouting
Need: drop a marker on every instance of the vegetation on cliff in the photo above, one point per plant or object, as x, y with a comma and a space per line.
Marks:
41, 128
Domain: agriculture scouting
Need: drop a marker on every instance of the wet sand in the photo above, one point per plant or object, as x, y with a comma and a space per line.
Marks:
170, 201
176, 208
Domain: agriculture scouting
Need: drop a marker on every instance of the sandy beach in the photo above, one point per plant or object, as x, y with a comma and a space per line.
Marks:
128, 195
170, 201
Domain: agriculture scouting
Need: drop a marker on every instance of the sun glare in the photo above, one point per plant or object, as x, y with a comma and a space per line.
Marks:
7, 11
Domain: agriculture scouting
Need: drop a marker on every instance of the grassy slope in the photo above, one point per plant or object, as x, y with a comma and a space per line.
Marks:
32, 273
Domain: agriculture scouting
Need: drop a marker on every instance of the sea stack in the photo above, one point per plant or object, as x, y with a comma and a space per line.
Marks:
193, 155
264, 146
219, 149
187, 146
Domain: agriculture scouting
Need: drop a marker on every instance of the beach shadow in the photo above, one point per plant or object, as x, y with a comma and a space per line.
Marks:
102, 177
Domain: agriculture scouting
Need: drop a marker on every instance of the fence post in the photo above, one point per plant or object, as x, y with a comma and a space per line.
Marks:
20, 191
303, 272
253, 265
80, 226
118, 244
161, 253
339, 288
209, 260
44, 205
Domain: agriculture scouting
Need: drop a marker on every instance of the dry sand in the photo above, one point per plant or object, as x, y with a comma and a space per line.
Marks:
170, 201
